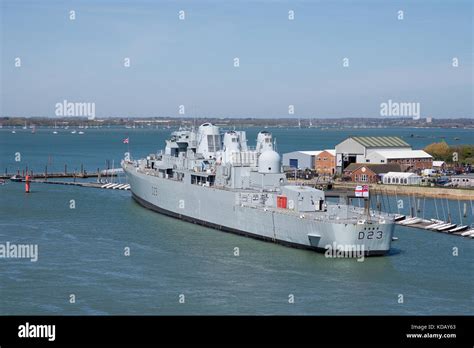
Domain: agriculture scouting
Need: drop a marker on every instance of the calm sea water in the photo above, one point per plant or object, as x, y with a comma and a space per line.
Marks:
81, 250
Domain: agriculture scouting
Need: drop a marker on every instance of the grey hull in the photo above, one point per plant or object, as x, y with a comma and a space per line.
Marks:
217, 208
239, 232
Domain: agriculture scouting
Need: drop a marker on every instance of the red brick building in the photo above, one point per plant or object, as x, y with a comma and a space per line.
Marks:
409, 160
368, 173
326, 162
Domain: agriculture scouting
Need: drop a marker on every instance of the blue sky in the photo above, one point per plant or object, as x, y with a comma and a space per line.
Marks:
282, 62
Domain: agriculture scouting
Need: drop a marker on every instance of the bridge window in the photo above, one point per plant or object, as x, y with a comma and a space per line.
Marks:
202, 180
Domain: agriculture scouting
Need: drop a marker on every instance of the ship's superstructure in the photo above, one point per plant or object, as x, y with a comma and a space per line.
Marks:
217, 180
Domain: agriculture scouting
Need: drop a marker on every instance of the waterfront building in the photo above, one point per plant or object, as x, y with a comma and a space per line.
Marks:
401, 178
409, 160
356, 149
323, 161
326, 162
439, 165
466, 180
300, 159
368, 173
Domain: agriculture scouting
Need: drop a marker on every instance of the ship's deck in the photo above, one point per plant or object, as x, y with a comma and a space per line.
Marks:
336, 213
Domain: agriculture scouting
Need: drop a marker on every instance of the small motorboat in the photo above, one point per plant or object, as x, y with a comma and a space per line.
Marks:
446, 228
399, 217
16, 178
467, 233
402, 222
437, 224
411, 221
458, 229
435, 227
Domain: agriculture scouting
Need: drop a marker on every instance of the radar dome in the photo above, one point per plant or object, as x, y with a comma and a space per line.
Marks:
269, 162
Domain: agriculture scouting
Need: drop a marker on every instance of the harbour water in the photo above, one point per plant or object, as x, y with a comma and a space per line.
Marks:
81, 250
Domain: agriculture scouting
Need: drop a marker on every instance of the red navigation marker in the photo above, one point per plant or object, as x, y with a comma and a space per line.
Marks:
27, 184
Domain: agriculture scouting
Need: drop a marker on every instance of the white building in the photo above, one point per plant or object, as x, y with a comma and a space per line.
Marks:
466, 180
401, 178
439, 165
356, 149
300, 159
408, 159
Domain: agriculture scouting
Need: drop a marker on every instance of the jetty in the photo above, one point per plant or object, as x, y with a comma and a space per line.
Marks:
110, 186
439, 226
82, 174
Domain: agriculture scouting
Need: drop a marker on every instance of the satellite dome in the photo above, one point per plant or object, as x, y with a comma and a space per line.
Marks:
269, 162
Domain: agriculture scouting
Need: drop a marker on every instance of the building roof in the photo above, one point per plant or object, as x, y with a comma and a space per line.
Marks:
465, 176
381, 142
315, 153
402, 154
311, 153
376, 168
330, 151
400, 175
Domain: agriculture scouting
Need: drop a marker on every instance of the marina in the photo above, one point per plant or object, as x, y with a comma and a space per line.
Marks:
307, 166
438, 226
105, 221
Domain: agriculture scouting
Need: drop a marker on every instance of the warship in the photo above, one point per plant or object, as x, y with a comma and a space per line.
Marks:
215, 179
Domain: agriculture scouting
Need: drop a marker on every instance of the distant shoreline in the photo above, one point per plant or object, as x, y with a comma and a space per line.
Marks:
356, 122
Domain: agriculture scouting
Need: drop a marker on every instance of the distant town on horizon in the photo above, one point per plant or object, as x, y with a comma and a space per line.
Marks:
348, 122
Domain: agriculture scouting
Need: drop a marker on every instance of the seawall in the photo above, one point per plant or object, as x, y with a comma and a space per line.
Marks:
421, 191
